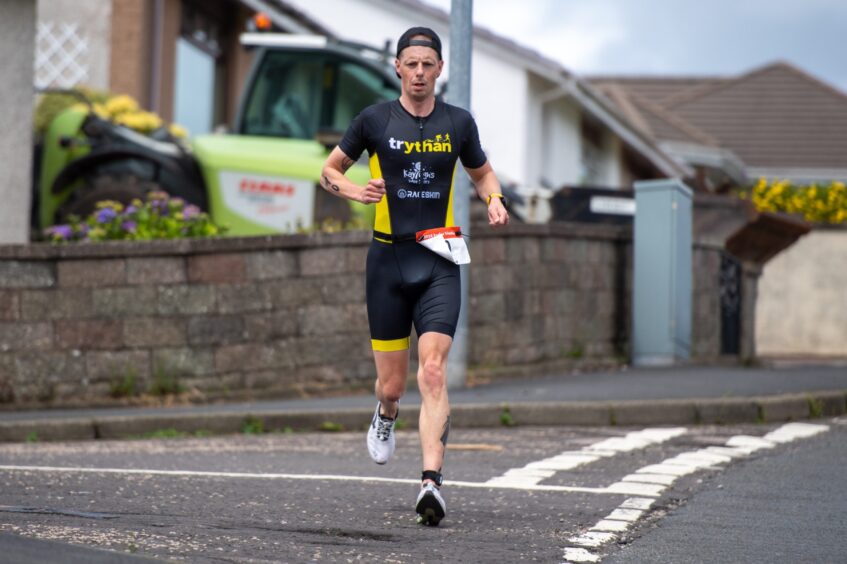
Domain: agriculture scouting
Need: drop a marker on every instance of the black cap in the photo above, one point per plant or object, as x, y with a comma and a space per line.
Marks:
434, 42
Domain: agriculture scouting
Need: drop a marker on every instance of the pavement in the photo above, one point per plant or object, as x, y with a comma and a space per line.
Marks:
683, 395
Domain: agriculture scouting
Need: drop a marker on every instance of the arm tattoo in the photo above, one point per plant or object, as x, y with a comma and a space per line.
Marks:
346, 163
328, 184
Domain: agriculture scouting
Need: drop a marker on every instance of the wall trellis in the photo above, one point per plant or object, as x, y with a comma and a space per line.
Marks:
61, 55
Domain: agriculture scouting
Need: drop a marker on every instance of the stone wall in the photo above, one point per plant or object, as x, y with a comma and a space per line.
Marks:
802, 305
285, 315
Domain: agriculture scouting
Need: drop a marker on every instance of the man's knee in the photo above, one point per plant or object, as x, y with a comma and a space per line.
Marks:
432, 377
392, 391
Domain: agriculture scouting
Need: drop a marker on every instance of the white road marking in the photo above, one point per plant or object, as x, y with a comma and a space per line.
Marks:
728, 451
634, 488
637, 503
621, 514
655, 478
748, 443
580, 555
312, 477
611, 525
535, 472
592, 539
663, 479
668, 469
794, 431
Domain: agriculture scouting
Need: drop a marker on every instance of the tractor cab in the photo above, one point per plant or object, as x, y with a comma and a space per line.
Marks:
299, 98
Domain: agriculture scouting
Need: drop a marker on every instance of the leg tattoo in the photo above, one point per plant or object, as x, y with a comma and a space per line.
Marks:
445, 432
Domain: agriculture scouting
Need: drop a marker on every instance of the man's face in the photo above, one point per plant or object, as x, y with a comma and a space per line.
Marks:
418, 68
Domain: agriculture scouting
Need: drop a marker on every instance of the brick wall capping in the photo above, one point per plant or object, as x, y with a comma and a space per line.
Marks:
177, 247
115, 249
599, 231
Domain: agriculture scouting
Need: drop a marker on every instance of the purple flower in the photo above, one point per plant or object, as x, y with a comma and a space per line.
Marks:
129, 226
62, 232
130, 210
106, 215
159, 206
190, 211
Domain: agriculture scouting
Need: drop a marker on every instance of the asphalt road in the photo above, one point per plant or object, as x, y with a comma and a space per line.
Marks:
789, 507
519, 494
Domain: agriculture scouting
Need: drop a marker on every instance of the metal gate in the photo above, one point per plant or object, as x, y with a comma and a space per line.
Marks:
730, 288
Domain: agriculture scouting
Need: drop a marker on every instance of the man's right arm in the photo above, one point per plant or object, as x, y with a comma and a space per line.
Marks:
334, 181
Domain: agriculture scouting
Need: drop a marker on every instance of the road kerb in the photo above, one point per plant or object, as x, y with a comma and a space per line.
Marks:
798, 406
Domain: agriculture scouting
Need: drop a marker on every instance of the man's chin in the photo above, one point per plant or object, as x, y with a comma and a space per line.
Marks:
419, 94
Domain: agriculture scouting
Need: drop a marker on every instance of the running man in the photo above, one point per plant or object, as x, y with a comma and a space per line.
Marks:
414, 144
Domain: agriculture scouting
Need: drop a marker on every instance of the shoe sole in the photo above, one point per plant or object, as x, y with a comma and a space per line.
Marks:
429, 511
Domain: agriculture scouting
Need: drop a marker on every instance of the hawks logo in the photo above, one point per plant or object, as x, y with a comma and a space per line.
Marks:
419, 174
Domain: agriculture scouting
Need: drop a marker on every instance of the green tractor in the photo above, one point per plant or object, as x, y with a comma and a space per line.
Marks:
262, 178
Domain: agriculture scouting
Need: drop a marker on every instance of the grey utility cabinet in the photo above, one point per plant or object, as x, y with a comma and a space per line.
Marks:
661, 288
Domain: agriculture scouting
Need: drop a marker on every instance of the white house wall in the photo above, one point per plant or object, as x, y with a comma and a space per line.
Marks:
801, 308
554, 127
499, 101
612, 159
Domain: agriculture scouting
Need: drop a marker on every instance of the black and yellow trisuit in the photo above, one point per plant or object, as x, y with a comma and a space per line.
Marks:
417, 157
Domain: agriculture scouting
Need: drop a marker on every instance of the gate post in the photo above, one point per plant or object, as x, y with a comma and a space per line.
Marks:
17, 43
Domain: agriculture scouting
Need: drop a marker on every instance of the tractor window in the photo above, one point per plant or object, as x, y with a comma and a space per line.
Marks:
296, 94
357, 88
285, 98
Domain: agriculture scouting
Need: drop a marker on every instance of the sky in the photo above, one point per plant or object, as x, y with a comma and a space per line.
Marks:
675, 37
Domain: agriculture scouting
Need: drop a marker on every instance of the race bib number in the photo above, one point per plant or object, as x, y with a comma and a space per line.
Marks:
446, 242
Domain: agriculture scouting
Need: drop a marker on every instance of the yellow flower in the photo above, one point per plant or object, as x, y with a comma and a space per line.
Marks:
100, 110
117, 206
121, 104
177, 130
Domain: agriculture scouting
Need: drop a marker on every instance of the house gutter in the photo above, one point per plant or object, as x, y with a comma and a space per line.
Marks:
715, 157
156, 56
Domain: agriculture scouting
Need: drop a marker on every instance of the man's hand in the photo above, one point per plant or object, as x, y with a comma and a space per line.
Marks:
373, 191
497, 214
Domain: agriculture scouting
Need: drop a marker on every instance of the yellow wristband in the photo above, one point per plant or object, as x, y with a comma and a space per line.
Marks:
488, 198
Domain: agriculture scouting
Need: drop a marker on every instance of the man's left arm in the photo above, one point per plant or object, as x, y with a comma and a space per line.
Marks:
488, 188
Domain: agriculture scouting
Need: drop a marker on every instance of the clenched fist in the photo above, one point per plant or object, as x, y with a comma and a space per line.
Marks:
373, 191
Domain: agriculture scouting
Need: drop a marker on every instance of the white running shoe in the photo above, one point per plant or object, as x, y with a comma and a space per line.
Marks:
430, 506
381, 437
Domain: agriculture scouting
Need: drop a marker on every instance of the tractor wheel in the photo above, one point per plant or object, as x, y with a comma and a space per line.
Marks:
123, 189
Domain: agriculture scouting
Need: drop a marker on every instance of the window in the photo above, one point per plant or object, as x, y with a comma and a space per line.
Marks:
356, 89
285, 98
296, 94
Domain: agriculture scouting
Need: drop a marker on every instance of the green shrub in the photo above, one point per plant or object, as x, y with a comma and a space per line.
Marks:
52, 104
165, 383
124, 387
253, 426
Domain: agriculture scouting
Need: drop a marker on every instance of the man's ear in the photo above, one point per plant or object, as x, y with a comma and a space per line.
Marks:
440, 67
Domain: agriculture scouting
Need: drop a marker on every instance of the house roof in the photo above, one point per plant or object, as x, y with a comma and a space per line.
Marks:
776, 116
655, 88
